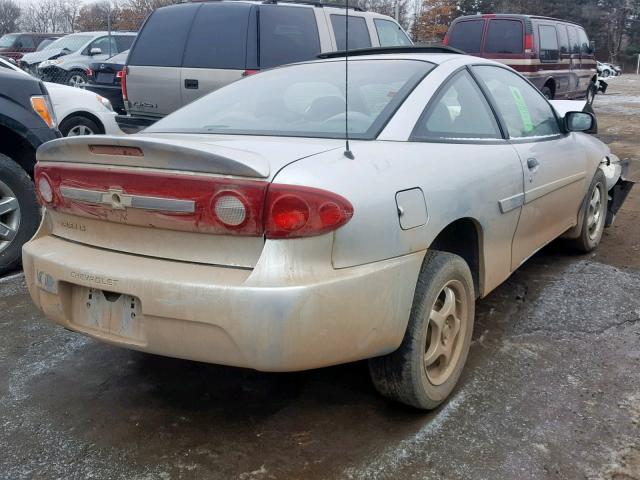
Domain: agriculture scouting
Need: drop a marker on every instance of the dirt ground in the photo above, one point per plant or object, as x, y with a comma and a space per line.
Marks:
551, 389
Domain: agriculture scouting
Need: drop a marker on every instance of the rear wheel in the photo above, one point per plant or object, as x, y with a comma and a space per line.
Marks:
76, 79
423, 371
19, 212
595, 212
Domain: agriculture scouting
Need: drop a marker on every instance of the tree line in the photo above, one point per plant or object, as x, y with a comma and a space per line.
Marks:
614, 25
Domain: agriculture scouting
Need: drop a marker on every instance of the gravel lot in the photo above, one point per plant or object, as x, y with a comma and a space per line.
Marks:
551, 390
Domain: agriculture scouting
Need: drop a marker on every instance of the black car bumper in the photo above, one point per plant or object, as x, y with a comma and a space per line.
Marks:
133, 124
111, 92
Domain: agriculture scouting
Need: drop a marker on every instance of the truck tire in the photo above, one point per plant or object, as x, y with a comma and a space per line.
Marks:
19, 213
423, 371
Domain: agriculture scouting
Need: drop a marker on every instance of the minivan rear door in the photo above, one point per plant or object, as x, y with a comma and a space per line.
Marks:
216, 50
154, 78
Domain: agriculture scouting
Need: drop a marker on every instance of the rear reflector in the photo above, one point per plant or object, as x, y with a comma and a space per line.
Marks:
216, 205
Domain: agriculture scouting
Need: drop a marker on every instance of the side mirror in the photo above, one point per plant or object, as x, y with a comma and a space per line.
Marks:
95, 51
579, 121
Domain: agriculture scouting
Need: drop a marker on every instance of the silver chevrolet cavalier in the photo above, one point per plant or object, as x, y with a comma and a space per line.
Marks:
240, 230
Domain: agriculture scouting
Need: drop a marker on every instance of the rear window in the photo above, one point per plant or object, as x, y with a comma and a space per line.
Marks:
549, 50
390, 34
218, 37
504, 36
287, 35
584, 42
162, 39
467, 36
358, 32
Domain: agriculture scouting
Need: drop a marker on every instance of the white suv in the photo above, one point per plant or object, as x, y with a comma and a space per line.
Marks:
187, 50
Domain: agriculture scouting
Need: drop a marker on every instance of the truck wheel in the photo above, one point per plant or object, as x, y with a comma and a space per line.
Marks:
19, 212
78, 125
595, 212
423, 371
546, 91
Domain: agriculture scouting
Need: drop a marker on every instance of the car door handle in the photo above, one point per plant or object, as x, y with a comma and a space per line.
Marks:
191, 83
533, 164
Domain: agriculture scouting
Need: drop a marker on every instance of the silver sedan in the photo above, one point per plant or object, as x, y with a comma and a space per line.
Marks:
241, 230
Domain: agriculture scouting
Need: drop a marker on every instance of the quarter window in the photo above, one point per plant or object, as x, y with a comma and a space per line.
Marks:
523, 108
548, 43
459, 112
467, 36
504, 36
585, 49
287, 35
390, 34
573, 40
358, 32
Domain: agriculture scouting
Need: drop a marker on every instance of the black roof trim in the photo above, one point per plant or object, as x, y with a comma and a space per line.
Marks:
313, 3
359, 52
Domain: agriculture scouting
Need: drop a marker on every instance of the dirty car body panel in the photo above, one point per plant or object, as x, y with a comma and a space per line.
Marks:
143, 264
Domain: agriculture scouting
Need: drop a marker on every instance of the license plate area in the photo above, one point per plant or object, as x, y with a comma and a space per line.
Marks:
104, 78
108, 314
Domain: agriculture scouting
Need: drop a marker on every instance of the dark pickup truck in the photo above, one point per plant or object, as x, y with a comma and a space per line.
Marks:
26, 122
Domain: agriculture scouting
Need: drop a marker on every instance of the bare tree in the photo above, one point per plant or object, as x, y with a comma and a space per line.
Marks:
9, 14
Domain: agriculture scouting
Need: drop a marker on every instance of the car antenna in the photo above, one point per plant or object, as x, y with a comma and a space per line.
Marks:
347, 152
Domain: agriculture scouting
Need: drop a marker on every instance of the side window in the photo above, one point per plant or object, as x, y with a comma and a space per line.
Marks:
549, 51
287, 35
390, 34
218, 37
358, 32
106, 44
26, 41
523, 108
124, 42
585, 49
161, 41
563, 39
504, 36
467, 36
459, 111
573, 40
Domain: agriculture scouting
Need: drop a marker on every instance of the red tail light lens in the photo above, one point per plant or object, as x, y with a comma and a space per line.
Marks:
123, 83
445, 40
246, 73
89, 72
528, 42
294, 211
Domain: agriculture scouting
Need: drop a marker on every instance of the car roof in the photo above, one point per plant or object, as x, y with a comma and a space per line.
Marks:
514, 15
308, 3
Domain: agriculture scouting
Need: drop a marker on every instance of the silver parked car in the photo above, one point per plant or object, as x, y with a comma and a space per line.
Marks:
239, 230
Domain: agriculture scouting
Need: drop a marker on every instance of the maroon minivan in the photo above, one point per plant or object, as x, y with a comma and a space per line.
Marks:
555, 55
15, 45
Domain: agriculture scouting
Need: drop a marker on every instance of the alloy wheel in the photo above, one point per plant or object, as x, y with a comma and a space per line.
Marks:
9, 216
595, 213
79, 130
448, 323
77, 81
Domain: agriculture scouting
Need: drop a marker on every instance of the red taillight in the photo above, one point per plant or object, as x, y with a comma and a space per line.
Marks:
246, 73
123, 82
528, 42
194, 203
89, 72
294, 211
445, 40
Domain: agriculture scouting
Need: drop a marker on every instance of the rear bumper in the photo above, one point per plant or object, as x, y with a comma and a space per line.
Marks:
272, 318
134, 123
111, 92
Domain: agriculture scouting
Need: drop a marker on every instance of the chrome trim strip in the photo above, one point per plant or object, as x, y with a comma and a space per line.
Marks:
119, 200
511, 203
542, 190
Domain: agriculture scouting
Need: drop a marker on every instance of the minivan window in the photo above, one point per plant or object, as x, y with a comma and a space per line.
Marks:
287, 35
390, 34
467, 36
573, 39
162, 39
26, 41
8, 40
358, 32
584, 42
218, 37
548, 43
504, 36
563, 39
71, 43
305, 100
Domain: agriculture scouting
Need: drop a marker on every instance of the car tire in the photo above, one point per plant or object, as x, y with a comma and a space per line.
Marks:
546, 91
76, 78
78, 125
19, 213
417, 373
606, 73
594, 214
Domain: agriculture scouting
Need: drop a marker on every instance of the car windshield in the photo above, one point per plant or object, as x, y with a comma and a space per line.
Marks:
8, 40
305, 100
70, 42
